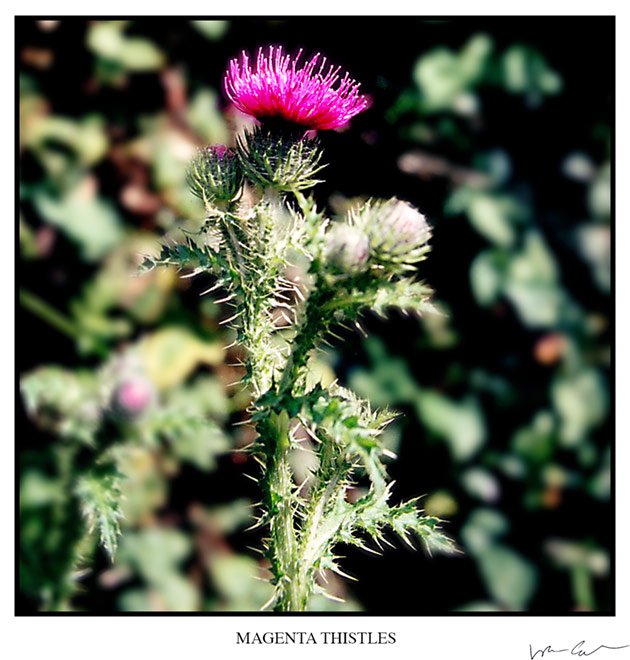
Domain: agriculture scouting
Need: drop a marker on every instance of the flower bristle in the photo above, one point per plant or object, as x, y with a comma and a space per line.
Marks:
313, 95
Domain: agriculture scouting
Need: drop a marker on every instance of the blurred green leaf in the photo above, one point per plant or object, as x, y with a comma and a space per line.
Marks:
594, 243
388, 382
213, 30
145, 490
171, 354
510, 579
600, 484
235, 578
90, 221
581, 402
526, 72
156, 554
570, 554
481, 483
461, 424
536, 442
600, 193
205, 117
36, 490
533, 284
198, 444
64, 402
478, 606
49, 135
443, 76
486, 277
482, 530
493, 217
230, 517
107, 39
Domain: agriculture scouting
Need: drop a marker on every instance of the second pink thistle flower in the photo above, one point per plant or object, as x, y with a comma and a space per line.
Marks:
313, 95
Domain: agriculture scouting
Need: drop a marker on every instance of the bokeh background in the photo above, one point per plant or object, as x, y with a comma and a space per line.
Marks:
498, 129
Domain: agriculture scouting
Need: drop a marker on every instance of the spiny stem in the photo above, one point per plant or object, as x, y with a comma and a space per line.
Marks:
312, 326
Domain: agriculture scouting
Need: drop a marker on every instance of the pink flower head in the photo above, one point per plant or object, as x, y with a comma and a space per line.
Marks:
313, 96
134, 395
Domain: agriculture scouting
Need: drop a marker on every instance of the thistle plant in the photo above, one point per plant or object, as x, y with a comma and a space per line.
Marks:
356, 264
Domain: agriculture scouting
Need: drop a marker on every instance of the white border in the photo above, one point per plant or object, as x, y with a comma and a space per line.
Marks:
162, 638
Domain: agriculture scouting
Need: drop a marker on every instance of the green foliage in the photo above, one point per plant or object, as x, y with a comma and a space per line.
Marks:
449, 81
510, 579
50, 530
118, 51
69, 213
156, 555
66, 403
91, 471
211, 29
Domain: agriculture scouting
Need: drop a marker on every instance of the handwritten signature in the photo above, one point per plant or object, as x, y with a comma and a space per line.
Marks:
577, 650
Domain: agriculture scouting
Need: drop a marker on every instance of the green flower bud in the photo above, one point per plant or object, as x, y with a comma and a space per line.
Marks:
398, 233
348, 249
215, 174
280, 158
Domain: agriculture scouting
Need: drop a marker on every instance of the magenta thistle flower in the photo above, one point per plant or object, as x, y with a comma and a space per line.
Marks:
311, 95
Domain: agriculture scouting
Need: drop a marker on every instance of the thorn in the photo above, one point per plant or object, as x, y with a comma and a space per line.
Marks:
256, 525
388, 543
405, 538
361, 330
211, 289
231, 318
337, 570
336, 599
223, 300
243, 422
269, 603
371, 550
192, 274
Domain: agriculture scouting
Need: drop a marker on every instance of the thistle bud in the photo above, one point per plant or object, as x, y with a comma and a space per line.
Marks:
133, 396
398, 232
274, 156
348, 249
215, 174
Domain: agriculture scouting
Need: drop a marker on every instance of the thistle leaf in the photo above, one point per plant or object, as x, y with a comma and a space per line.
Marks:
99, 493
